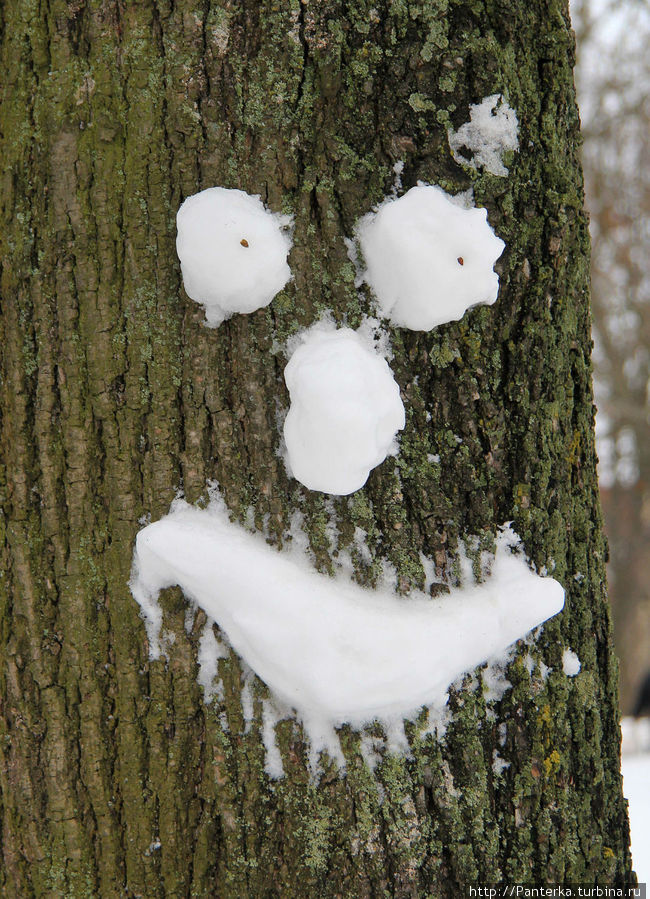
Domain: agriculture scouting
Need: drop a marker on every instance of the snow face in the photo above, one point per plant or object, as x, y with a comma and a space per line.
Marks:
233, 252
345, 411
492, 129
326, 647
428, 259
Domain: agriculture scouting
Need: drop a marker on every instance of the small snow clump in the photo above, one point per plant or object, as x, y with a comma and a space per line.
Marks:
345, 411
428, 259
233, 252
570, 663
489, 133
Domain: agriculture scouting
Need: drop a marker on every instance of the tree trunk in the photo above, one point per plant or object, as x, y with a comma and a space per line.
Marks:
117, 779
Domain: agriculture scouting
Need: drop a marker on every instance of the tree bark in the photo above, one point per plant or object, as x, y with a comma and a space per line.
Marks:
116, 778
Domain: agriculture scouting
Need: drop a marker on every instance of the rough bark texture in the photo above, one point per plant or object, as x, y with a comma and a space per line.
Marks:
116, 779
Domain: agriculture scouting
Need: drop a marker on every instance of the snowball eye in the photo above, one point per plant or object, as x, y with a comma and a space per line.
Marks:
345, 411
408, 245
210, 228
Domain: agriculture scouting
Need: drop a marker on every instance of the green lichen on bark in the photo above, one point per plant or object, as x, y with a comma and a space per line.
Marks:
116, 779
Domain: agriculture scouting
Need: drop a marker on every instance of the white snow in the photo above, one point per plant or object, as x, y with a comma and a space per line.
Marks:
376, 337
495, 682
210, 651
345, 410
361, 545
499, 765
371, 749
529, 663
398, 171
570, 663
635, 734
233, 252
247, 701
429, 568
636, 789
324, 646
428, 259
492, 129
273, 760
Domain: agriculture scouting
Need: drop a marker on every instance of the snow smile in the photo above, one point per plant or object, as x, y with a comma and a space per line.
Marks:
334, 651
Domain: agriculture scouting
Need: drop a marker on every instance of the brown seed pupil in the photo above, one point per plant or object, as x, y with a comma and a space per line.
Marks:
460, 260
243, 242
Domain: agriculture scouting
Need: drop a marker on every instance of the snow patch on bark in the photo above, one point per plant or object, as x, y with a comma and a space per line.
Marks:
570, 663
492, 130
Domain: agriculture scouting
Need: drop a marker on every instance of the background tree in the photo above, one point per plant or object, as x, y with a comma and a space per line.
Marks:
614, 87
117, 780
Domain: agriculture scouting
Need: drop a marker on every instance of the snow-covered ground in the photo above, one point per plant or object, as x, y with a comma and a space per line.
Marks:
636, 787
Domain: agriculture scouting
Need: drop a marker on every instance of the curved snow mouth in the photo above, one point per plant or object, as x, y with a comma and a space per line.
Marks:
335, 652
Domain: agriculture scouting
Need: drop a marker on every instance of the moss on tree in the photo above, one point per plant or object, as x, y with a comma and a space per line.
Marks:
116, 779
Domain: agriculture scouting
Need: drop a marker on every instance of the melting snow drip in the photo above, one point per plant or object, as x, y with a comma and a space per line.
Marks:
492, 129
326, 647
